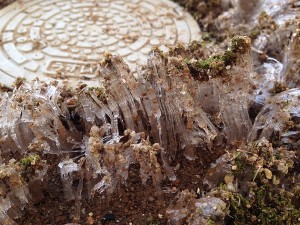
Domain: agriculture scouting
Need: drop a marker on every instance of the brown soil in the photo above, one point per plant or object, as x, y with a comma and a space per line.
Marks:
132, 203
4, 3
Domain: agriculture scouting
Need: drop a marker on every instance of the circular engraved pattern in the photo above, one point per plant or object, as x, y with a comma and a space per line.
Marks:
63, 39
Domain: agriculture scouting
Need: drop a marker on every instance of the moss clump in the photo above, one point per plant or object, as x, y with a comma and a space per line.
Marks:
202, 8
31, 166
240, 166
260, 188
259, 198
213, 66
229, 57
29, 160
211, 222
153, 223
265, 21
99, 92
240, 44
206, 37
263, 204
214, 62
254, 33
219, 62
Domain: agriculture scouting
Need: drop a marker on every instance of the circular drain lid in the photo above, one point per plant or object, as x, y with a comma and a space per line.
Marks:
63, 39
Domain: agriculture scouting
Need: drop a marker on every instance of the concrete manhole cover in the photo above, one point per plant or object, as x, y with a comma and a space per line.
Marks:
63, 39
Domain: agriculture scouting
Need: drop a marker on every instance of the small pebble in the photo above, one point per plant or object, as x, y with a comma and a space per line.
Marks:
151, 199
108, 217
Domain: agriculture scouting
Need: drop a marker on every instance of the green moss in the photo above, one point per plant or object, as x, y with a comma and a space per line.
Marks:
210, 222
153, 223
240, 163
206, 36
203, 64
237, 204
260, 201
197, 16
285, 104
100, 93
240, 44
214, 62
195, 46
254, 33
267, 206
266, 22
229, 57
219, 62
29, 160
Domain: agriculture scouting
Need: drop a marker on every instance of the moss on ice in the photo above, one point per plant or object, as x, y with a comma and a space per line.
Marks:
29, 160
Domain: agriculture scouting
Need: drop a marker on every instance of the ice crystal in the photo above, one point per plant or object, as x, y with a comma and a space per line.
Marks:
14, 189
279, 119
291, 70
69, 171
110, 159
146, 121
185, 102
198, 211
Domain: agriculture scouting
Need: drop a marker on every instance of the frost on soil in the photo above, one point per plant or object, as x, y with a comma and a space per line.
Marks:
243, 98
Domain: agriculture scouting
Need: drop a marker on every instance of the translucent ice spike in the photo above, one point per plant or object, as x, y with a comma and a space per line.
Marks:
279, 118
68, 170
